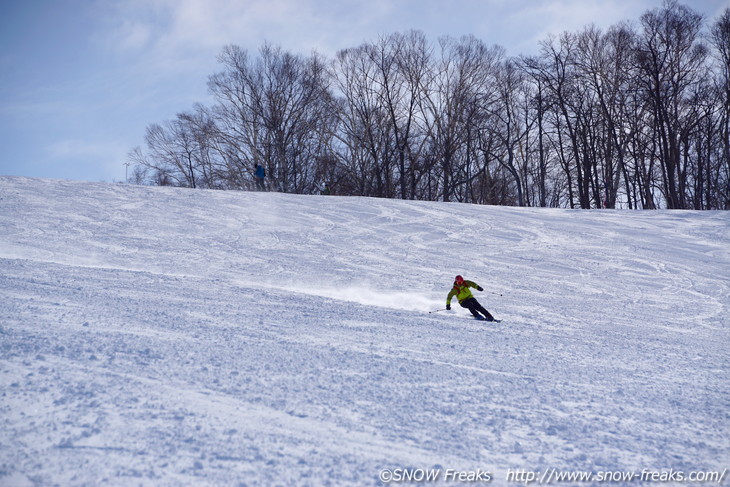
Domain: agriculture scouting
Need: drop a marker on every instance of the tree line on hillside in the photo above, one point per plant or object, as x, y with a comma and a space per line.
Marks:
636, 116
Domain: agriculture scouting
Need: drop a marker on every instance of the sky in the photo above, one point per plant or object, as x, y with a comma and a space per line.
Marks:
80, 80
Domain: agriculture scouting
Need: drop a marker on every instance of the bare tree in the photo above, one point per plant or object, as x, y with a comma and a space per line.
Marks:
403, 61
452, 99
272, 111
509, 124
671, 59
720, 175
555, 71
365, 145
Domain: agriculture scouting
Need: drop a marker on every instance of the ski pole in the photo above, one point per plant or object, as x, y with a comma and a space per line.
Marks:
437, 310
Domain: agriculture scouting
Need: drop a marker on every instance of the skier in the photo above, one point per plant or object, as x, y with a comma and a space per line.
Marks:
260, 175
466, 299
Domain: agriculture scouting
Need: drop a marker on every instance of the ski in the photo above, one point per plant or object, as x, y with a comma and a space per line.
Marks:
488, 321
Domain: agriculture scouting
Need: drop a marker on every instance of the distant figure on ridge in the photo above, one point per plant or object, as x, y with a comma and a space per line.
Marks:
467, 300
260, 174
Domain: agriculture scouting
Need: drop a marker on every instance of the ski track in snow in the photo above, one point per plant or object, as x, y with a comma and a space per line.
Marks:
159, 336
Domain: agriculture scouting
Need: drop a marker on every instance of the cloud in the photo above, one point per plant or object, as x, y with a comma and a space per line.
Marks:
87, 155
535, 20
131, 35
184, 28
70, 148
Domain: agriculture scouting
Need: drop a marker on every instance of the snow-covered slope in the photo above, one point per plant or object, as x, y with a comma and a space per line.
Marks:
158, 336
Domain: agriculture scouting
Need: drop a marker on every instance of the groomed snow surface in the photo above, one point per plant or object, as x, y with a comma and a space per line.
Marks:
161, 337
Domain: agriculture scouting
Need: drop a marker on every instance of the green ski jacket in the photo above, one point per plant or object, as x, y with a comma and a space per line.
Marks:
461, 292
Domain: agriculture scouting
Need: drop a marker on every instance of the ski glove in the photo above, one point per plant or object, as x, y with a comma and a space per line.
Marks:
480, 288
448, 307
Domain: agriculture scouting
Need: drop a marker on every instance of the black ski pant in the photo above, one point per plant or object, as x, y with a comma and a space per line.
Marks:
473, 305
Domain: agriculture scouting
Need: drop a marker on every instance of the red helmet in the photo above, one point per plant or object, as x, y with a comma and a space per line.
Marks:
459, 280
